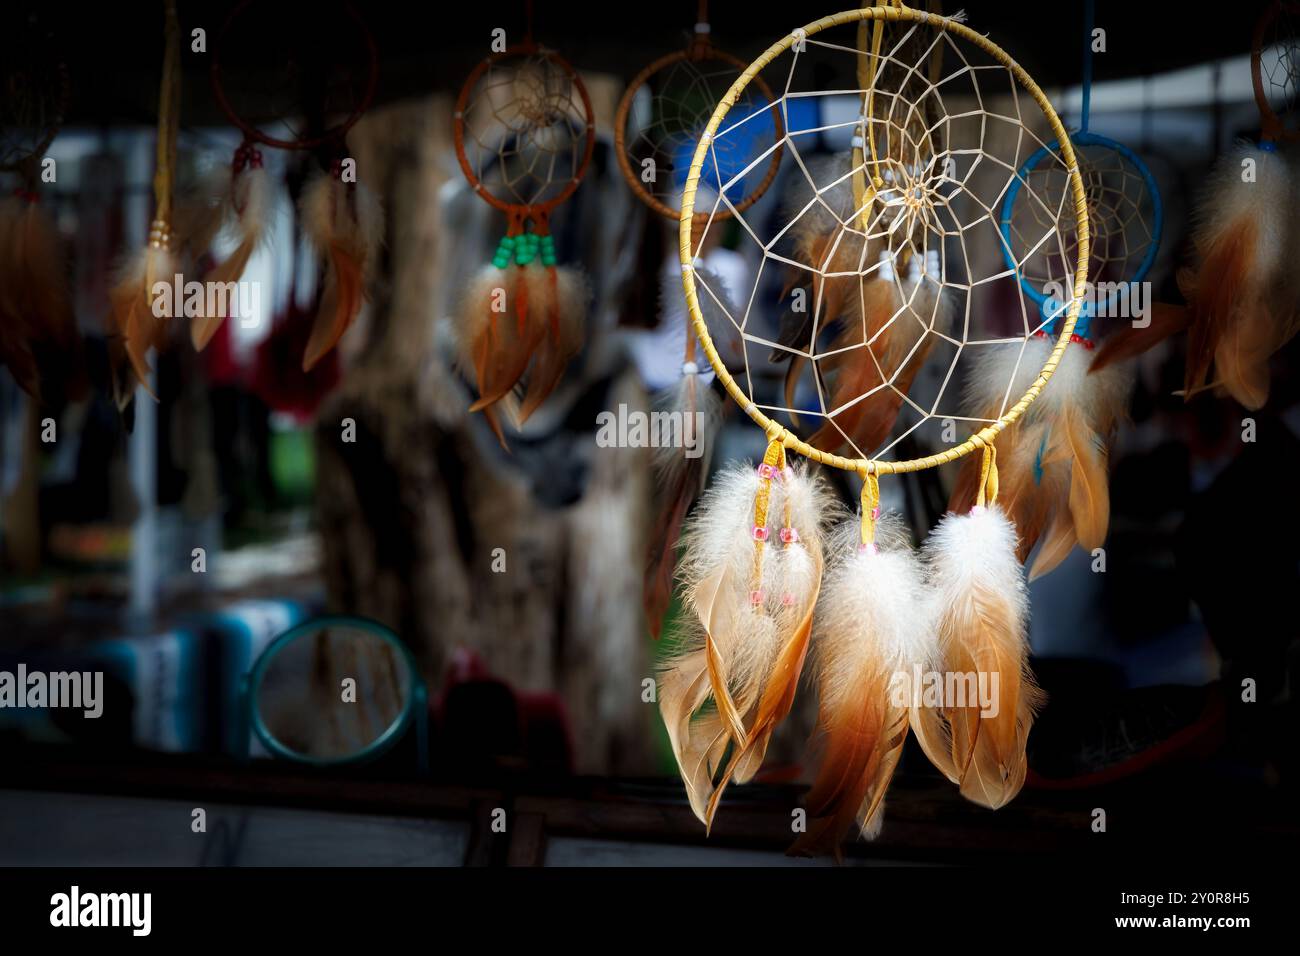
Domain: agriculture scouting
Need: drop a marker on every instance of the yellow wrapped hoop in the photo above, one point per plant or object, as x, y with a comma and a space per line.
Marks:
985, 436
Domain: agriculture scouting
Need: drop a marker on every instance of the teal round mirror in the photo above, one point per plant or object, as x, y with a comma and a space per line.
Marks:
334, 691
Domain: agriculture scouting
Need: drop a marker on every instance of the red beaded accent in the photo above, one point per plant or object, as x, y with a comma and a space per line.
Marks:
1080, 340
247, 156
767, 472
760, 534
755, 597
789, 535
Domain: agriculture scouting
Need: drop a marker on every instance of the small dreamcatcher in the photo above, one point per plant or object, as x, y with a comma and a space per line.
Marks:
1055, 460
327, 83
524, 133
657, 124
1124, 211
765, 579
38, 331
1242, 292
1241, 287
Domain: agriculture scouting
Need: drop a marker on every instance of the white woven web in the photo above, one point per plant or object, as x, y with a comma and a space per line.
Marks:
1279, 64
669, 112
1121, 214
948, 149
525, 129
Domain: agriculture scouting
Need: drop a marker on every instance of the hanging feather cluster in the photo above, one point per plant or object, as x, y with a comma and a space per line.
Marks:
751, 572
133, 324
679, 479
981, 618
873, 625
681, 470
245, 208
1053, 461
1241, 293
890, 627
38, 330
345, 225
521, 321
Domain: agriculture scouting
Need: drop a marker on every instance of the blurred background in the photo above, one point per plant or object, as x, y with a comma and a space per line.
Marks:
227, 554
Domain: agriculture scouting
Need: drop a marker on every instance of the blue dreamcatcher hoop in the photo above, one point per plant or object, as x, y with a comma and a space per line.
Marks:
1102, 163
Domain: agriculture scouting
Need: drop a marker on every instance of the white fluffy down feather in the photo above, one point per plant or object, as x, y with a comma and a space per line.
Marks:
1000, 374
874, 606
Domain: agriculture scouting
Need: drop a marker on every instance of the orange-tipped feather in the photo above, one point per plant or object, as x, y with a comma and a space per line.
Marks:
982, 612
873, 627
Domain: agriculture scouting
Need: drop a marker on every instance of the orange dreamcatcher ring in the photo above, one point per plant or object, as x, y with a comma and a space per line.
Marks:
527, 210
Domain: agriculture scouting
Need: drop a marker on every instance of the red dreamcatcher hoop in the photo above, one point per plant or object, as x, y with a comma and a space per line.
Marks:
342, 219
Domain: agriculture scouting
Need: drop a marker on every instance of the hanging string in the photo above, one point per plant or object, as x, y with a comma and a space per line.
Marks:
169, 108
864, 194
1085, 107
699, 47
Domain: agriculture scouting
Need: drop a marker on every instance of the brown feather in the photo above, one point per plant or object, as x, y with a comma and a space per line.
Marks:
1129, 342
1242, 353
340, 303
1228, 261
858, 370
38, 330
861, 742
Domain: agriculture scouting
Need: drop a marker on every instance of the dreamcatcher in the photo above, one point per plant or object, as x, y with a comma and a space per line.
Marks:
764, 575
329, 81
1054, 460
657, 124
38, 331
1242, 290
524, 133
1243, 294
134, 328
